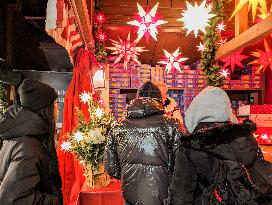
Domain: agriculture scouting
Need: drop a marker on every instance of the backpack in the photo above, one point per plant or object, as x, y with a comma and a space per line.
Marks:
232, 184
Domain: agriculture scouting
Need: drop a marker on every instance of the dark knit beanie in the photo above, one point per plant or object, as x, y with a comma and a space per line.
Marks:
35, 95
150, 90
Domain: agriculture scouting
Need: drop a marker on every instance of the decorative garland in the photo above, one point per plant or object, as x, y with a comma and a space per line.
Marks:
208, 64
99, 48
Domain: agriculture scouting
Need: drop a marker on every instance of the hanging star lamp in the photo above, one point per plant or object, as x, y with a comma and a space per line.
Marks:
221, 27
264, 12
172, 60
234, 60
126, 50
264, 58
196, 18
252, 3
147, 22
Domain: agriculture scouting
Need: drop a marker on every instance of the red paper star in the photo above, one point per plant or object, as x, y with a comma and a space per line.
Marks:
264, 57
233, 60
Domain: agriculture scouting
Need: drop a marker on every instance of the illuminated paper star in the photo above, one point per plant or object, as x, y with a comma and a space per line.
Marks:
221, 27
78, 136
196, 18
172, 60
252, 3
147, 22
66, 146
126, 50
99, 112
222, 41
85, 97
201, 47
264, 12
224, 73
233, 60
264, 57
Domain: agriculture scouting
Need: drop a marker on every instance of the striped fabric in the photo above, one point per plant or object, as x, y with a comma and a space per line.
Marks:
67, 34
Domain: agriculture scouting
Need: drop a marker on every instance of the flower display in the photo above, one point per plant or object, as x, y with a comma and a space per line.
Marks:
87, 142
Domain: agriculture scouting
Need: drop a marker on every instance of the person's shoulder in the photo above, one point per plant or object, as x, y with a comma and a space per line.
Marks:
28, 145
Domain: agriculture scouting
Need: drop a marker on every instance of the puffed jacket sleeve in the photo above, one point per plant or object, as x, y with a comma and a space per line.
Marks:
20, 180
184, 180
111, 160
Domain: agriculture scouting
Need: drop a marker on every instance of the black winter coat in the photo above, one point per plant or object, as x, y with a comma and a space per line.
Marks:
25, 177
140, 151
197, 159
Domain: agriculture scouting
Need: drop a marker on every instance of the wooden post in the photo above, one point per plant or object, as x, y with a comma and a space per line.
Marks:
241, 19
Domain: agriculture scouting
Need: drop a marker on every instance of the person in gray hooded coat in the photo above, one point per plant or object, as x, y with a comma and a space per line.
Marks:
29, 172
140, 149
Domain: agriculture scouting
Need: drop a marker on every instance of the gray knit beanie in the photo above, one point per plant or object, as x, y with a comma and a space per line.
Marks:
211, 105
35, 95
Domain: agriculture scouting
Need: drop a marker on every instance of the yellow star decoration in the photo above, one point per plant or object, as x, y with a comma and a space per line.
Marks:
264, 12
252, 3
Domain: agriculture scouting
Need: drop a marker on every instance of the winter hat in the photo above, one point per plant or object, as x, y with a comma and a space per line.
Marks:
150, 90
211, 105
35, 95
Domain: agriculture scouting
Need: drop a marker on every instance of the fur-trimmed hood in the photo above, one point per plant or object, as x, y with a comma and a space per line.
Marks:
224, 138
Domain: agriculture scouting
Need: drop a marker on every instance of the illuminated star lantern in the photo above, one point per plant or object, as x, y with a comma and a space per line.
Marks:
221, 27
196, 17
101, 36
99, 112
126, 50
264, 57
233, 60
264, 13
85, 97
78, 136
172, 60
66, 146
222, 41
201, 47
224, 73
100, 18
252, 3
147, 22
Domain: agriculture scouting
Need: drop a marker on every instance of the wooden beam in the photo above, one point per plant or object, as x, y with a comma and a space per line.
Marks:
241, 19
83, 20
250, 36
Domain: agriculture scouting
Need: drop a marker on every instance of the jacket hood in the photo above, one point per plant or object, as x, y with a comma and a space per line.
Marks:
17, 121
210, 135
144, 107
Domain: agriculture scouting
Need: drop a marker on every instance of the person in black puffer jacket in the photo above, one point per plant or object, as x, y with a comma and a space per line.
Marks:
216, 142
140, 149
29, 172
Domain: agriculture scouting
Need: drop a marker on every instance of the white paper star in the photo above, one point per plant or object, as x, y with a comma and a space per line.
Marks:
196, 18
147, 22
99, 112
201, 47
221, 27
85, 97
78, 136
222, 41
66, 146
172, 60
126, 50
224, 73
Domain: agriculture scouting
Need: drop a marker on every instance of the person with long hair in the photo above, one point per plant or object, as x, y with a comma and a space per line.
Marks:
29, 173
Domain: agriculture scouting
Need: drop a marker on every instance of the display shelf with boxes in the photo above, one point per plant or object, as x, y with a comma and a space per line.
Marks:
182, 86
